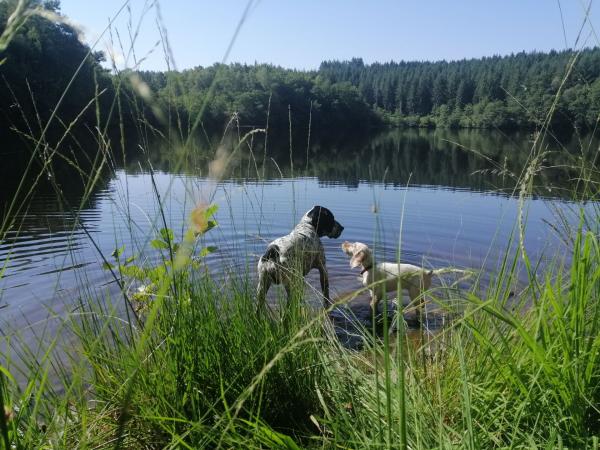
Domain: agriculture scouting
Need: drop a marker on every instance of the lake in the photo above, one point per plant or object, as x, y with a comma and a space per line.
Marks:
445, 197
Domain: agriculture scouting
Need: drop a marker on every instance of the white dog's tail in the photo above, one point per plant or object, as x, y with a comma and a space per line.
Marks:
447, 270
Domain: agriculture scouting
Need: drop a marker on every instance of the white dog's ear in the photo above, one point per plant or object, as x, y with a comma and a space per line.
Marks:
357, 259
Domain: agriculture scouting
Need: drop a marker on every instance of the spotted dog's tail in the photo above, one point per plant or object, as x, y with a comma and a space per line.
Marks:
272, 254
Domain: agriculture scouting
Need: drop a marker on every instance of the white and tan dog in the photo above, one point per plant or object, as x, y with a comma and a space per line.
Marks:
385, 276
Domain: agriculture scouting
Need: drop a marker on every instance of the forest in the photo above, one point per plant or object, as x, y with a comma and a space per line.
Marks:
509, 92
506, 92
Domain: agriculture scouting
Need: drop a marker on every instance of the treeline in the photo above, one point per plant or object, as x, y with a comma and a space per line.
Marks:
515, 91
509, 92
262, 95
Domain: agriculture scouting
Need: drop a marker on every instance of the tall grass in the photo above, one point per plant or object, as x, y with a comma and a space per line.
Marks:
191, 365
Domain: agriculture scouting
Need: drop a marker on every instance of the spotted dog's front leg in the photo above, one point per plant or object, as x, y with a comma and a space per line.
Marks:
324, 279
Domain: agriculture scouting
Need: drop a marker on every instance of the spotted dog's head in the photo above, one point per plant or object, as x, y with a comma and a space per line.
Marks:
323, 221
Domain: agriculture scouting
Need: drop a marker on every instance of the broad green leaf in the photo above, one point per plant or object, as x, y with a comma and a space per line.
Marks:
167, 234
159, 244
207, 250
211, 210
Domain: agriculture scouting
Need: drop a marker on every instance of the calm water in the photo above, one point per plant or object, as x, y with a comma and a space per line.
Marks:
444, 196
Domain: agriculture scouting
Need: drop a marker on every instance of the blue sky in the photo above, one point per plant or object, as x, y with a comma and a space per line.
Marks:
301, 34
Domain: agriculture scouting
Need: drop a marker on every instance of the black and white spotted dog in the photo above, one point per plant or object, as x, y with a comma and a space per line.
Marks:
297, 253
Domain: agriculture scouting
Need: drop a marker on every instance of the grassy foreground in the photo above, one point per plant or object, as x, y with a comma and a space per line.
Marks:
200, 369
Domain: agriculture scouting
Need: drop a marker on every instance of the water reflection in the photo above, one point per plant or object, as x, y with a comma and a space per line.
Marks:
460, 159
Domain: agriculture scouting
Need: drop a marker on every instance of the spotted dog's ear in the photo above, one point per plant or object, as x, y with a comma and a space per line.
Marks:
357, 259
321, 219
313, 211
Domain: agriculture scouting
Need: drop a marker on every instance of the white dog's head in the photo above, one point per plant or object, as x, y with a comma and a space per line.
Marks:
360, 254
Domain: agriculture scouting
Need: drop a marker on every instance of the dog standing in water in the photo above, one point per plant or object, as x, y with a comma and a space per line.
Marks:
298, 253
385, 276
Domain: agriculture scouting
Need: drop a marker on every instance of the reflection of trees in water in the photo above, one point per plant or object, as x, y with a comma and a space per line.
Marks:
413, 156
51, 200
469, 159
463, 159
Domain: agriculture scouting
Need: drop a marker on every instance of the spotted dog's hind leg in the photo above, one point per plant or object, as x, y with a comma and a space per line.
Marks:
264, 283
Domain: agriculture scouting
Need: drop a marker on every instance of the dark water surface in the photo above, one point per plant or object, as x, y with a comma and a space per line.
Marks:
444, 196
